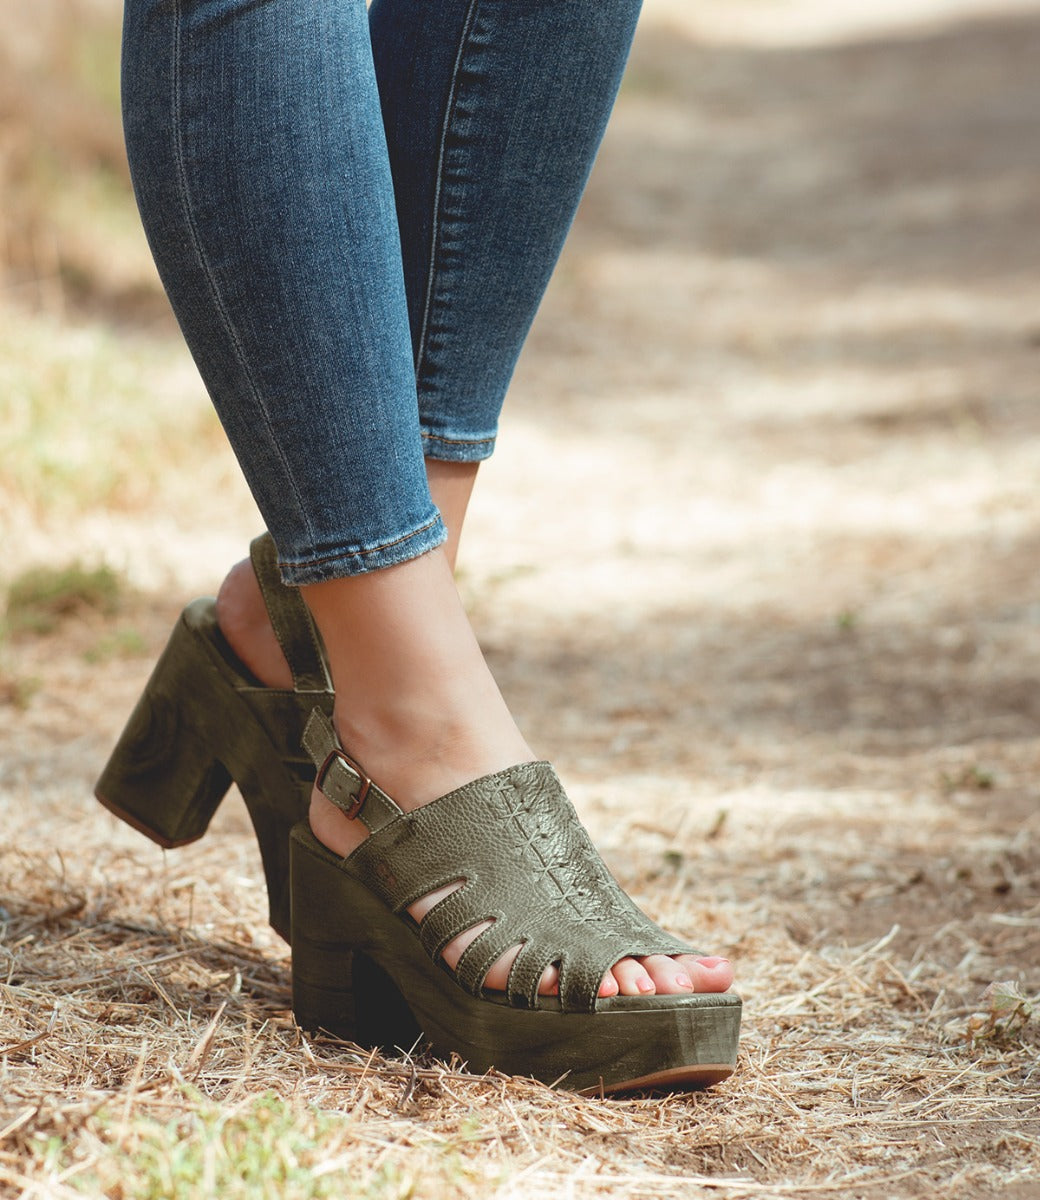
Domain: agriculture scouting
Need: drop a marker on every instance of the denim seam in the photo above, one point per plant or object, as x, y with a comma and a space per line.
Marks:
207, 272
449, 113
433, 437
363, 553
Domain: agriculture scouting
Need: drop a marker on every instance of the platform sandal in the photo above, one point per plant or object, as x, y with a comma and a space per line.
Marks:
204, 721
365, 971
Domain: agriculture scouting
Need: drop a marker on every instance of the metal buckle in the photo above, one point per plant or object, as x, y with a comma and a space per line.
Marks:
352, 812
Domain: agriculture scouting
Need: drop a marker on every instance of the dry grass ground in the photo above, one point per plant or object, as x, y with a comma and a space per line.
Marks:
758, 565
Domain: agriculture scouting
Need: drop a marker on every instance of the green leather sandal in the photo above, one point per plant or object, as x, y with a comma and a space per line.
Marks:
365, 971
204, 720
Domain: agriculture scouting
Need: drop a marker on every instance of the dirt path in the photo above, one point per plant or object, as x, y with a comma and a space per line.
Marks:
758, 565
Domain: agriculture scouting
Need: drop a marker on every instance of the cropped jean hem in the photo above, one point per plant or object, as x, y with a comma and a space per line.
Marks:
348, 561
446, 449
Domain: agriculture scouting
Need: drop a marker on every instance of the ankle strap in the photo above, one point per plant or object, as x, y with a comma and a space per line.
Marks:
291, 620
341, 780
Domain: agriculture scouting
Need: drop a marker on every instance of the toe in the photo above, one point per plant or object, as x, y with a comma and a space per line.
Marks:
707, 973
549, 984
688, 973
670, 975
608, 986
632, 978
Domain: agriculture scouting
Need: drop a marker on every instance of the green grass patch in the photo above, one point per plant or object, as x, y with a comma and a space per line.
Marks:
120, 643
263, 1149
42, 597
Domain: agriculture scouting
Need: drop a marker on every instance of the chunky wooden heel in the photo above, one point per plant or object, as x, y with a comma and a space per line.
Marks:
204, 722
524, 863
165, 777
342, 991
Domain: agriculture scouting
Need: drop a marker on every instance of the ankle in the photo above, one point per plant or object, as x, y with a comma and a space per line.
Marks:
419, 752
243, 620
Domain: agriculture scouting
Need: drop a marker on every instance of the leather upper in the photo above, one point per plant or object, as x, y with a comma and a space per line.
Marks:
525, 862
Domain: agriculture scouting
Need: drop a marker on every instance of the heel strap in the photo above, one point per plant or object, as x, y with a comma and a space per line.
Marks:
341, 780
291, 620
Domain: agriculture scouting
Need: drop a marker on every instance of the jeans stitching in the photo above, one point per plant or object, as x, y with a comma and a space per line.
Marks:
433, 437
449, 113
363, 553
196, 243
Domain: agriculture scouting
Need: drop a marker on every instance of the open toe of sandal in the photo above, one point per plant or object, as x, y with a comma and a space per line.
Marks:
524, 866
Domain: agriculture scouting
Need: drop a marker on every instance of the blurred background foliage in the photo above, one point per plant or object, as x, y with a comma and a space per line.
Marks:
97, 395
69, 238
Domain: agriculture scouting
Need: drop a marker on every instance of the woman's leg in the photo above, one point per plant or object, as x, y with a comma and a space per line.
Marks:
261, 173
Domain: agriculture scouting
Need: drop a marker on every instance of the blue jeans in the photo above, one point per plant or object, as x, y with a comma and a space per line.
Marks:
355, 216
